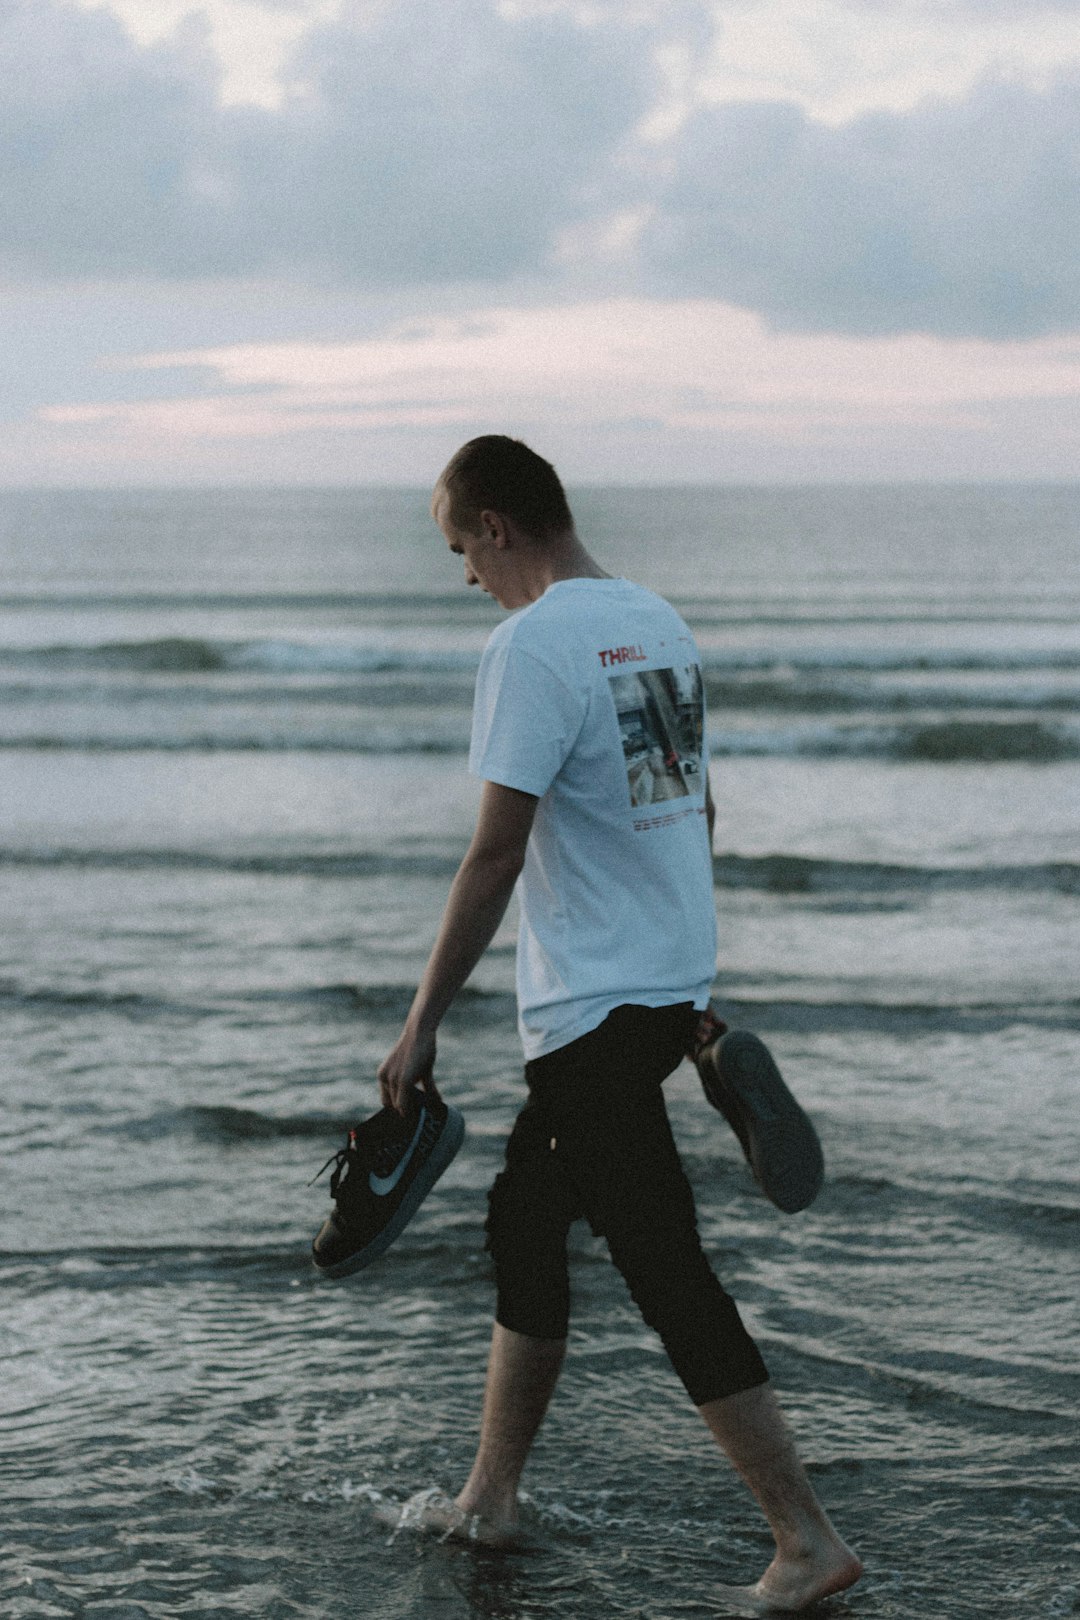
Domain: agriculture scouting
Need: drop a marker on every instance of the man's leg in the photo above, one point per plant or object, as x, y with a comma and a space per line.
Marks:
657, 1249
529, 1215
522, 1373
811, 1560
521, 1376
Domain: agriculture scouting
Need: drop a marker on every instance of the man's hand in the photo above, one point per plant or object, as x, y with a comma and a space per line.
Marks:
409, 1064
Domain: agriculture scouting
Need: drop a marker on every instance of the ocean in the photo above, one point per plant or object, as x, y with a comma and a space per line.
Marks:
233, 792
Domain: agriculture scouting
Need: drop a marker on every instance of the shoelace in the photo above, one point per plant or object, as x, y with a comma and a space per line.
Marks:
339, 1160
709, 1029
382, 1161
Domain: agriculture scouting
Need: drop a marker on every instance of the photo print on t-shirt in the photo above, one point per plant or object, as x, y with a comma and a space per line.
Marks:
661, 719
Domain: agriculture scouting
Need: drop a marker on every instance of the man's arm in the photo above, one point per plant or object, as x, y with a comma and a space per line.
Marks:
479, 896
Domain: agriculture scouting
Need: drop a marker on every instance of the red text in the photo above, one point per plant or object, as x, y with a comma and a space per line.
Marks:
622, 655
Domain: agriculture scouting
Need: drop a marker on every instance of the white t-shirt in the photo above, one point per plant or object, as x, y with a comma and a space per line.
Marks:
591, 698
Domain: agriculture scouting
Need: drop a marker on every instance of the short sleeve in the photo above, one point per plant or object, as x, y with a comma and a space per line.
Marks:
525, 720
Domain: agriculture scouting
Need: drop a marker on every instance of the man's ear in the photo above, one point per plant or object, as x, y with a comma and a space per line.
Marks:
495, 528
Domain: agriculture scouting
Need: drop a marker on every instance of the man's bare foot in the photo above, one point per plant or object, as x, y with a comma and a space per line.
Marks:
432, 1512
794, 1583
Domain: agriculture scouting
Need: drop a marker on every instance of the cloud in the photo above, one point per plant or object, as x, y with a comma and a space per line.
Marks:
414, 143
443, 143
99, 143
952, 8
689, 365
475, 141
838, 59
960, 218
626, 389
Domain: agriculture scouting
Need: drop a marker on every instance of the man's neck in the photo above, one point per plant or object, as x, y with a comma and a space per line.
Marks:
565, 559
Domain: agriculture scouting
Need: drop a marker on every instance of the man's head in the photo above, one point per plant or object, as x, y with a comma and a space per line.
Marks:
498, 474
502, 508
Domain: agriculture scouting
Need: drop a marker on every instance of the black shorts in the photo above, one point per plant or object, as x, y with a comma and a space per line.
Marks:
593, 1141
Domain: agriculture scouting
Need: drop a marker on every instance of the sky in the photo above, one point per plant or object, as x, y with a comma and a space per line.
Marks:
325, 241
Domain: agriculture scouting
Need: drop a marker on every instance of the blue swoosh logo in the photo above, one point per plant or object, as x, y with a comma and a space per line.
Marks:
382, 1185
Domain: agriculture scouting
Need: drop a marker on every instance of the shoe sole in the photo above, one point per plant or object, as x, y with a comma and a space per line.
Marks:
444, 1151
782, 1147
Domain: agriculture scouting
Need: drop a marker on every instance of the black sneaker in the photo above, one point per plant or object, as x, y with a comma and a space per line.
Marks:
381, 1177
742, 1081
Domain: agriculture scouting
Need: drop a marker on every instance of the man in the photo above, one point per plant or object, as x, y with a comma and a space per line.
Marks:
616, 954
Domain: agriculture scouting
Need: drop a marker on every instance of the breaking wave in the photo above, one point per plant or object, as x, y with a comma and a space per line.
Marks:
372, 653
777, 873
939, 740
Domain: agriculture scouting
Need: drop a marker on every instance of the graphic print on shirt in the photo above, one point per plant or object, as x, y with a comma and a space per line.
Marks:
661, 719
